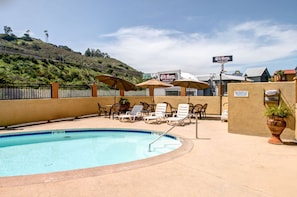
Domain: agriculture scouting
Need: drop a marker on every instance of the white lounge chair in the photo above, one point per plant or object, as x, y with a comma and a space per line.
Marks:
180, 116
136, 112
158, 115
224, 115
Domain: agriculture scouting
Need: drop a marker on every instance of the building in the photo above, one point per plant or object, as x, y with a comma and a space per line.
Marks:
170, 76
289, 75
257, 74
215, 80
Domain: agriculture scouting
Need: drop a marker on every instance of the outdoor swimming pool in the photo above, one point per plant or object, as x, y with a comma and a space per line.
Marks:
63, 150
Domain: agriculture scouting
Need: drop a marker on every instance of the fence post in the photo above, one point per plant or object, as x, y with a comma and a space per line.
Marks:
94, 90
295, 78
55, 90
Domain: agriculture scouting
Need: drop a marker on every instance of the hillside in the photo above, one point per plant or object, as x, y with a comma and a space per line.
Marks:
30, 60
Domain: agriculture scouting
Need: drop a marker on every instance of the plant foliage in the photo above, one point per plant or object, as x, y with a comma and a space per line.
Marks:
124, 101
278, 110
29, 60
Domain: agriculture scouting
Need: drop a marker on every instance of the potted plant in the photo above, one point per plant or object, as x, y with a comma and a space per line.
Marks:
125, 104
276, 123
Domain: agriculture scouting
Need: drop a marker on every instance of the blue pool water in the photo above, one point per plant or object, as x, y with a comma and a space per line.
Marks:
61, 150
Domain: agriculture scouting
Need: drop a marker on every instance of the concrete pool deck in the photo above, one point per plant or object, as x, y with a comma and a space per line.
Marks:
218, 164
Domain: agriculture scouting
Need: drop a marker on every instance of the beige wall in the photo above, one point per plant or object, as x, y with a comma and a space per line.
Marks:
246, 114
24, 111
212, 101
34, 110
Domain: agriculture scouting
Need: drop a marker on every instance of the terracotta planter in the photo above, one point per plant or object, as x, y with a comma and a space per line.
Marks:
276, 125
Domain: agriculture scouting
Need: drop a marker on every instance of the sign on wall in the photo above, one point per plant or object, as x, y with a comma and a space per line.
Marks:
241, 93
168, 77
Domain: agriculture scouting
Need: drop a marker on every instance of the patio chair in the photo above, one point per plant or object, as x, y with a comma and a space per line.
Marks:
101, 110
158, 115
170, 110
146, 107
224, 115
180, 116
197, 111
136, 112
191, 108
203, 111
114, 110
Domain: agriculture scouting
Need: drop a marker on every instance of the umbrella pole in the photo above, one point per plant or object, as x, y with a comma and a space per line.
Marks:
115, 96
115, 92
196, 117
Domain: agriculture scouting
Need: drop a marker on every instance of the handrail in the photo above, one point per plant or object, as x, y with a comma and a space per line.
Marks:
150, 144
164, 133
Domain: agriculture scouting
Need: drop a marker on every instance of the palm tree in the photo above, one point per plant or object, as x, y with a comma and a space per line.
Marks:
46, 35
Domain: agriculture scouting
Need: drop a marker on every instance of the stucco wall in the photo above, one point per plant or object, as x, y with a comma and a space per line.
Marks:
246, 114
212, 101
14, 112
24, 111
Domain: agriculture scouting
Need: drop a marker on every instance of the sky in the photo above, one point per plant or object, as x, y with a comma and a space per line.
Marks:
164, 35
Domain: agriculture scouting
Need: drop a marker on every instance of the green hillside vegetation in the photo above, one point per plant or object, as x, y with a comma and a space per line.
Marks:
30, 60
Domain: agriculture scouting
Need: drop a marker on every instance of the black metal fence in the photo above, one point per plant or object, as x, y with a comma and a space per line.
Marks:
40, 91
24, 91
43, 91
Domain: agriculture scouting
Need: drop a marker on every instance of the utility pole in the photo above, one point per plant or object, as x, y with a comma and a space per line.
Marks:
221, 87
222, 60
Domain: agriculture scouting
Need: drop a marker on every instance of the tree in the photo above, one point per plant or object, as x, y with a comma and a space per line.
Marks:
237, 73
97, 53
9, 36
7, 30
46, 35
88, 52
27, 36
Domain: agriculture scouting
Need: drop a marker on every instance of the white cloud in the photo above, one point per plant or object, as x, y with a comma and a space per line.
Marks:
152, 50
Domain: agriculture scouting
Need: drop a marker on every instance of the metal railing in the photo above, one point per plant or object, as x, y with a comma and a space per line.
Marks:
164, 133
180, 122
69, 91
41, 91
24, 91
